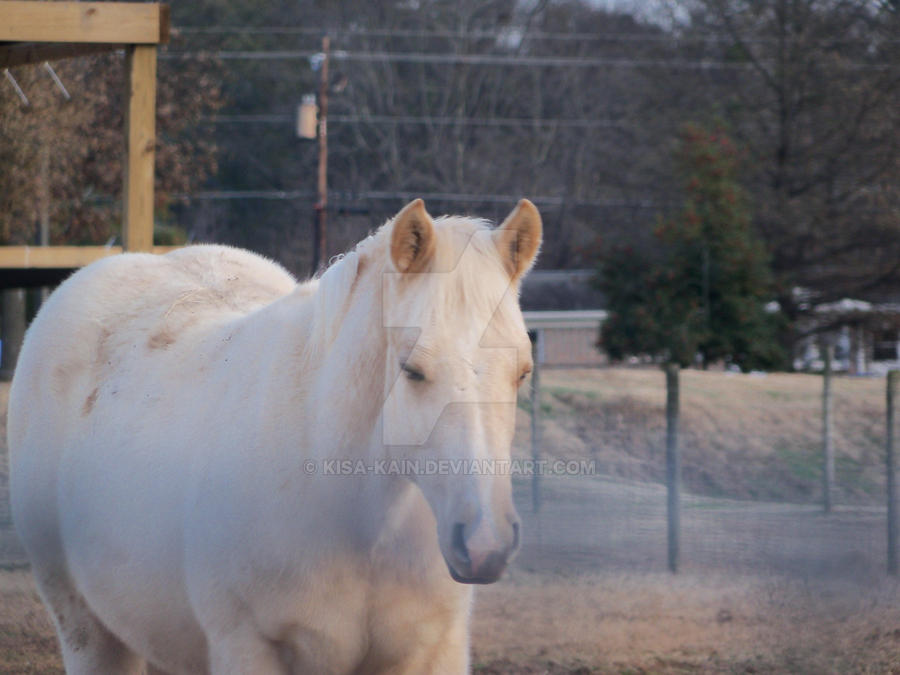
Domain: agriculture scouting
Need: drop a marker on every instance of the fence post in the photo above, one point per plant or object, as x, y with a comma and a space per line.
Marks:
673, 465
892, 379
535, 421
827, 429
12, 330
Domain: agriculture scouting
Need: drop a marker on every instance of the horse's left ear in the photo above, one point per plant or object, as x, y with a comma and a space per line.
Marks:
412, 238
519, 238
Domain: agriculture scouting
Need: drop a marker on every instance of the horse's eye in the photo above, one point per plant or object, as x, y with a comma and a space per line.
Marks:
412, 374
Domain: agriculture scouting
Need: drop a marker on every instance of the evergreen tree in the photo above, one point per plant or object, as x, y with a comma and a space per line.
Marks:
703, 291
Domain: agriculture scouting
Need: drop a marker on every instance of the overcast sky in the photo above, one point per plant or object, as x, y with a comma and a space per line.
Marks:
653, 11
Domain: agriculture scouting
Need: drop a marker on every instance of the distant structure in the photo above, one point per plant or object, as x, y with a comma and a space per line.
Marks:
563, 313
865, 335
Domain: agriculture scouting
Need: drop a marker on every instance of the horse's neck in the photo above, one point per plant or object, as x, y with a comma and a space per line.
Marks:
348, 400
325, 402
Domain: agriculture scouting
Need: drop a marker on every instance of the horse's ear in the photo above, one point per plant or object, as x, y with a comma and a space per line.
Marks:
519, 238
412, 238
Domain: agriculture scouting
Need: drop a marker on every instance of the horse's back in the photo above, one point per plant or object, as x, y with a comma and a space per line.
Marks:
102, 313
107, 319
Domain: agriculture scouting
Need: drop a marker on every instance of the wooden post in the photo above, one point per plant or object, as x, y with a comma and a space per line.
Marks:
827, 430
892, 378
44, 196
44, 209
673, 465
535, 421
140, 134
12, 330
319, 248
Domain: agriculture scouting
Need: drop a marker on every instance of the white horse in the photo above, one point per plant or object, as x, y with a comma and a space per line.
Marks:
178, 424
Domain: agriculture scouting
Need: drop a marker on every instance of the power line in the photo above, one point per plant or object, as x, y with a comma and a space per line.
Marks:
467, 59
289, 195
509, 34
486, 59
274, 118
501, 34
262, 118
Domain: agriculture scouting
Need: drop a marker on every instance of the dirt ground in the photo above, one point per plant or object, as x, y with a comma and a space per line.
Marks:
654, 623
764, 586
614, 623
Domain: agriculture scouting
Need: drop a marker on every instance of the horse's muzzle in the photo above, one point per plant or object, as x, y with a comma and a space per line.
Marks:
479, 567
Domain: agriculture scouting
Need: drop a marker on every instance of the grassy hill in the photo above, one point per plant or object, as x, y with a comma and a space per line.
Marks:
743, 436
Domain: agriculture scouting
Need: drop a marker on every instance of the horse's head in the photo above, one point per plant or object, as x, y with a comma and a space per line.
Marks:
457, 353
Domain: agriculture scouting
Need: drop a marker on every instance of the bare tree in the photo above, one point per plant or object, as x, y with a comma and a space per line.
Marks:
65, 156
813, 92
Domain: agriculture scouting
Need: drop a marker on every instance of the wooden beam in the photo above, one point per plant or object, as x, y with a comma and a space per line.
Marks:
60, 257
22, 53
140, 134
110, 22
53, 256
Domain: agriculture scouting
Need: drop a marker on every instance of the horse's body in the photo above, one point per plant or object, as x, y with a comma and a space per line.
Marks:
169, 421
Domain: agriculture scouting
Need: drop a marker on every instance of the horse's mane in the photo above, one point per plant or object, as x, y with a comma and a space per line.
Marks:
331, 298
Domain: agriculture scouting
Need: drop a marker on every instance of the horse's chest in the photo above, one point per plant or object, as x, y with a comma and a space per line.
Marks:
358, 627
407, 620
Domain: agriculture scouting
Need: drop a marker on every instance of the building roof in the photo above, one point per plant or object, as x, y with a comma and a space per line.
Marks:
560, 290
571, 318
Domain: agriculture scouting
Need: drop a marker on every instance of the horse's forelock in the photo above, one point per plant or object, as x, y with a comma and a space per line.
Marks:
471, 278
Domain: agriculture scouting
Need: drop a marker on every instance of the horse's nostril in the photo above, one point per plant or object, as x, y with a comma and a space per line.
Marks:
459, 543
515, 543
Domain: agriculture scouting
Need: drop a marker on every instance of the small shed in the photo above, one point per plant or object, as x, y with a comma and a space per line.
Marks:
563, 312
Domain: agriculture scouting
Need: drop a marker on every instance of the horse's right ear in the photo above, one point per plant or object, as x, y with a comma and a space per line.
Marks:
518, 239
412, 238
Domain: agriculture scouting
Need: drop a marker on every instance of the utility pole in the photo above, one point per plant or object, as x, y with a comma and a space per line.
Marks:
318, 257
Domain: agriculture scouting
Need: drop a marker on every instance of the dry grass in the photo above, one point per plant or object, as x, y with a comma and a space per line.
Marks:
743, 436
